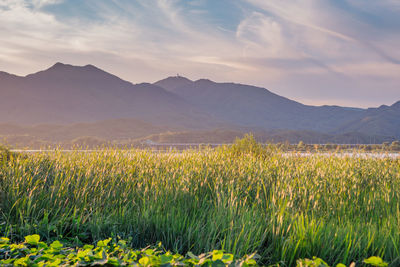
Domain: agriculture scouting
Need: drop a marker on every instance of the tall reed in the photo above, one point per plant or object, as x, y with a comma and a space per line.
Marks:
242, 199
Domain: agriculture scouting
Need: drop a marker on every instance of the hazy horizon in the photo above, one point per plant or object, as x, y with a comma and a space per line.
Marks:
332, 52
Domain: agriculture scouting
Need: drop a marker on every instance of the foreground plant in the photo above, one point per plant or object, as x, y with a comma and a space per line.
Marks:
317, 262
33, 252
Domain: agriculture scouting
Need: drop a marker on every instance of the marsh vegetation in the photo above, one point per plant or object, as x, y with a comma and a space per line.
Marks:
242, 198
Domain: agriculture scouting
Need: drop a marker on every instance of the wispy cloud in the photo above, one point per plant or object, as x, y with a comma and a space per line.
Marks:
337, 51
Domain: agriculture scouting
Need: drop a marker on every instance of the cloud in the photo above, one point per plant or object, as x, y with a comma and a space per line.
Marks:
291, 47
42, 3
326, 28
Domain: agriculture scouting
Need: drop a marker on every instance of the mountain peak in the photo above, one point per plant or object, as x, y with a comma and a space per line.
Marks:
91, 67
59, 65
173, 82
204, 81
66, 71
56, 68
176, 78
63, 66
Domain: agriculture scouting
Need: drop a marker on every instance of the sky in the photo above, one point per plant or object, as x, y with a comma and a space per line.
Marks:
336, 52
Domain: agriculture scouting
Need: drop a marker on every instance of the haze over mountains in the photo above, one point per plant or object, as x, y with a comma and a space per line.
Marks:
66, 102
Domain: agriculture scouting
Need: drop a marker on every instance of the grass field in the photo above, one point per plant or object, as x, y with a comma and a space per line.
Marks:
242, 199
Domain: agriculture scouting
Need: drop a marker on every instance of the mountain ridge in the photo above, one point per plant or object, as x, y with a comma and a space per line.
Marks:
252, 106
66, 94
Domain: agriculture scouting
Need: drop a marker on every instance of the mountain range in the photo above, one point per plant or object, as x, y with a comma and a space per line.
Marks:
66, 102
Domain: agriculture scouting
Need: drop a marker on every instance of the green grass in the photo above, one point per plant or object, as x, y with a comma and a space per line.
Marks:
241, 199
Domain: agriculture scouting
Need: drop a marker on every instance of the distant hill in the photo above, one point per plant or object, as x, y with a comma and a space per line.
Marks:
67, 104
257, 107
384, 121
70, 94
106, 131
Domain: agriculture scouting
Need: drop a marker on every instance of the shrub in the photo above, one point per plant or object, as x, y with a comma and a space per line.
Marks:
5, 154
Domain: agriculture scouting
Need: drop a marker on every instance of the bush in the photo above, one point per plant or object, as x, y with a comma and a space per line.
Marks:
395, 145
249, 146
5, 154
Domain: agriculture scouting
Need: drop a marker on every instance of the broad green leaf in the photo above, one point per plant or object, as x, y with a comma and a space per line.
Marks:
166, 259
102, 259
217, 255
88, 247
227, 258
251, 262
376, 261
55, 263
149, 251
17, 246
144, 261
32, 239
9, 261
42, 245
22, 261
4, 240
83, 253
103, 243
113, 261
218, 263
56, 245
